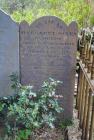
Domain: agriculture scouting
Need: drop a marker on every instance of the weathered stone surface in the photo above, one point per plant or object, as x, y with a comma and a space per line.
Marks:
48, 49
74, 132
9, 52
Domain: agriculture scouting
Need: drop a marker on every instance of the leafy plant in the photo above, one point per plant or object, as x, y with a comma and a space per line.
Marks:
32, 110
23, 134
1, 106
92, 20
67, 10
65, 123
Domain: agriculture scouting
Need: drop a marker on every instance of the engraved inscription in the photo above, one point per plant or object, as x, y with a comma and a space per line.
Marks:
48, 49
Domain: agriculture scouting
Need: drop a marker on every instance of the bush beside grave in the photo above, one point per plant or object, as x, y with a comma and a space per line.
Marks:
68, 11
31, 110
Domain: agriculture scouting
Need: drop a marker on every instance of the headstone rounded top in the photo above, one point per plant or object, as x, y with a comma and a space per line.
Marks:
52, 18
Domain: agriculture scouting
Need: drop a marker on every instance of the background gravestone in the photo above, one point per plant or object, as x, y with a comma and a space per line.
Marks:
48, 49
9, 52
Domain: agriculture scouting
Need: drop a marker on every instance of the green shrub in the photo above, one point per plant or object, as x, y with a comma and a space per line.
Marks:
66, 123
92, 20
32, 110
1, 106
27, 15
68, 11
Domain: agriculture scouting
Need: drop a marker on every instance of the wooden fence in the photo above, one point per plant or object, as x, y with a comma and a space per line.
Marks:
85, 94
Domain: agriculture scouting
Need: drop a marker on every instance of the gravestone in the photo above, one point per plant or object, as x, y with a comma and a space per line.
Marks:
9, 52
48, 49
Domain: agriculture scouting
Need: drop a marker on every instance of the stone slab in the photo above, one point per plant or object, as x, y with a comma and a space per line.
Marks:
9, 52
48, 49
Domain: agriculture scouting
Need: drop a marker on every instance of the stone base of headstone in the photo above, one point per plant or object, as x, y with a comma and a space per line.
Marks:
74, 132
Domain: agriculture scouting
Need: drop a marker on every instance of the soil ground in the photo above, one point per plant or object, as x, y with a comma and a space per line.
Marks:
49, 134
